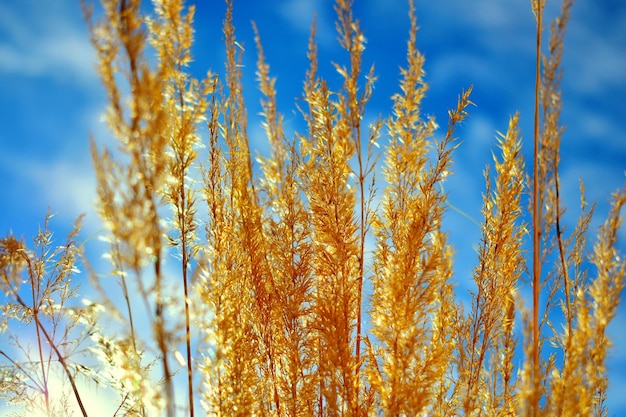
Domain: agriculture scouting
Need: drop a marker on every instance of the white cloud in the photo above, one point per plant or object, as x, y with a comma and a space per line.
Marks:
55, 44
598, 125
300, 13
598, 65
65, 184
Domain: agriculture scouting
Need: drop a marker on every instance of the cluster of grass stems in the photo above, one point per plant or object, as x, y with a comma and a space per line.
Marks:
268, 305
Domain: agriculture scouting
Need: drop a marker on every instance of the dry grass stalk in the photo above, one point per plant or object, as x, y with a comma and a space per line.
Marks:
272, 290
412, 262
59, 327
487, 346
537, 8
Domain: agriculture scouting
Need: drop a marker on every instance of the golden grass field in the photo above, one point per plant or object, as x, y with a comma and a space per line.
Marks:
317, 280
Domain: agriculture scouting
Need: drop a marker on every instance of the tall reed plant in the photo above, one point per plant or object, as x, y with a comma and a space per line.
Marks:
243, 285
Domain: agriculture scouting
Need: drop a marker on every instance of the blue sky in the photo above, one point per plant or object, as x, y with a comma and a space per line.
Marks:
51, 99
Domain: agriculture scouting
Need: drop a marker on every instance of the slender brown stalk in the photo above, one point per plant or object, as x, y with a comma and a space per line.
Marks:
51, 343
551, 140
35, 384
279, 288
559, 237
188, 335
44, 374
184, 211
65, 369
362, 231
161, 337
536, 205
352, 107
487, 340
